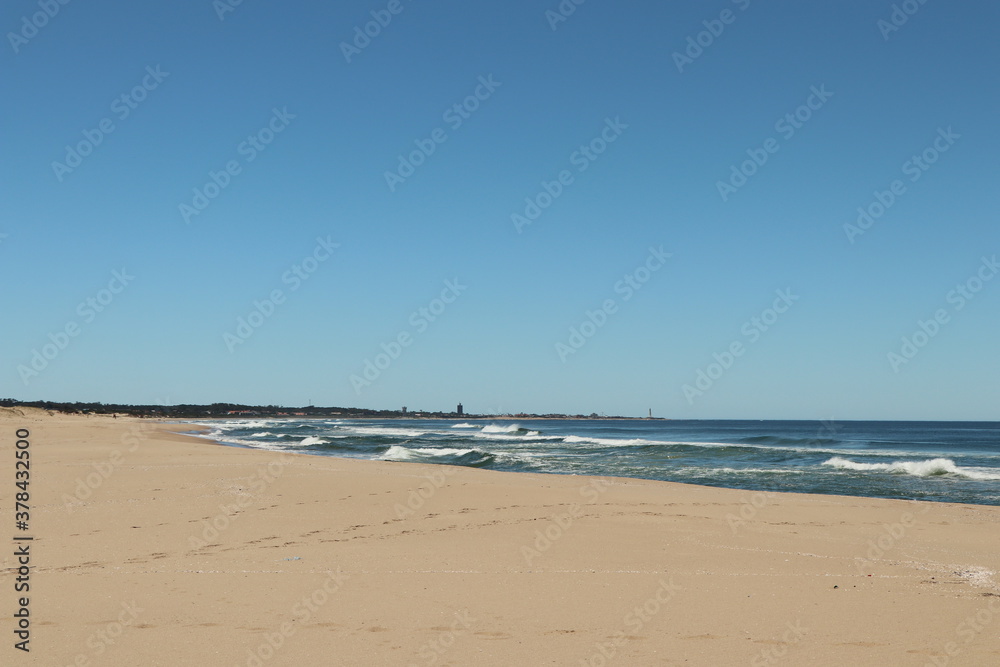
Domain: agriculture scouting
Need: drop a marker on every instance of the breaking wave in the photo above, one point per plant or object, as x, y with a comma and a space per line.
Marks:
928, 468
610, 442
446, 455
493, 428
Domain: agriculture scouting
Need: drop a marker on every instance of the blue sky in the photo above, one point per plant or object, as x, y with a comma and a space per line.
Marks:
200, 90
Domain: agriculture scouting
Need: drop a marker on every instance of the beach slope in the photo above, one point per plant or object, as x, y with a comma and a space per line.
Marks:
154, 548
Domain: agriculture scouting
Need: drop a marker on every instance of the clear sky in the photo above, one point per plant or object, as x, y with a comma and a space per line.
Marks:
694, 165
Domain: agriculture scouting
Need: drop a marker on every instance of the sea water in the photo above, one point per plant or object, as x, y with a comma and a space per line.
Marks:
938, 461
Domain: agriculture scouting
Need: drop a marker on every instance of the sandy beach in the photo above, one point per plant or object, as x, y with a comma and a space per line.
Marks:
155, 548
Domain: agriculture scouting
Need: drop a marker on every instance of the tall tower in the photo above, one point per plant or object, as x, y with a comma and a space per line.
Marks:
459, 410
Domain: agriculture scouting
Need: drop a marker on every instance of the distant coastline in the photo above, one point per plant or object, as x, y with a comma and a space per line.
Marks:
239, 411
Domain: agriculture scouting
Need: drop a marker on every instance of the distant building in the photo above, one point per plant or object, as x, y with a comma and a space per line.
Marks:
459, 410
404, 409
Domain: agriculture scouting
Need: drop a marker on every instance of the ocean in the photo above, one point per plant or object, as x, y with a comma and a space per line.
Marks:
937, 461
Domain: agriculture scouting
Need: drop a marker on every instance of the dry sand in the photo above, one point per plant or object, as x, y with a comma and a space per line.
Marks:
152, 548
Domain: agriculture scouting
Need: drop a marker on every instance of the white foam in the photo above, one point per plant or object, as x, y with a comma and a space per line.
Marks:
261, 434
610, 442
464, 425
250, 424
754, 471
528, 458
388, 430
400, 453
312, 440
521, 437
229, 440
493, 428
743, 445
230, 424
926, 468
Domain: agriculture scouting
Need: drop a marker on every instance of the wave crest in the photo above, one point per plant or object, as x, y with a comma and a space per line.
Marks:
926, 468
388, 431
400, 453
610, 442
493, 428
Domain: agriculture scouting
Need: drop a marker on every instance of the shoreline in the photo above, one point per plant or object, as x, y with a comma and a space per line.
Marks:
238, 446
225, 552
746, 488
